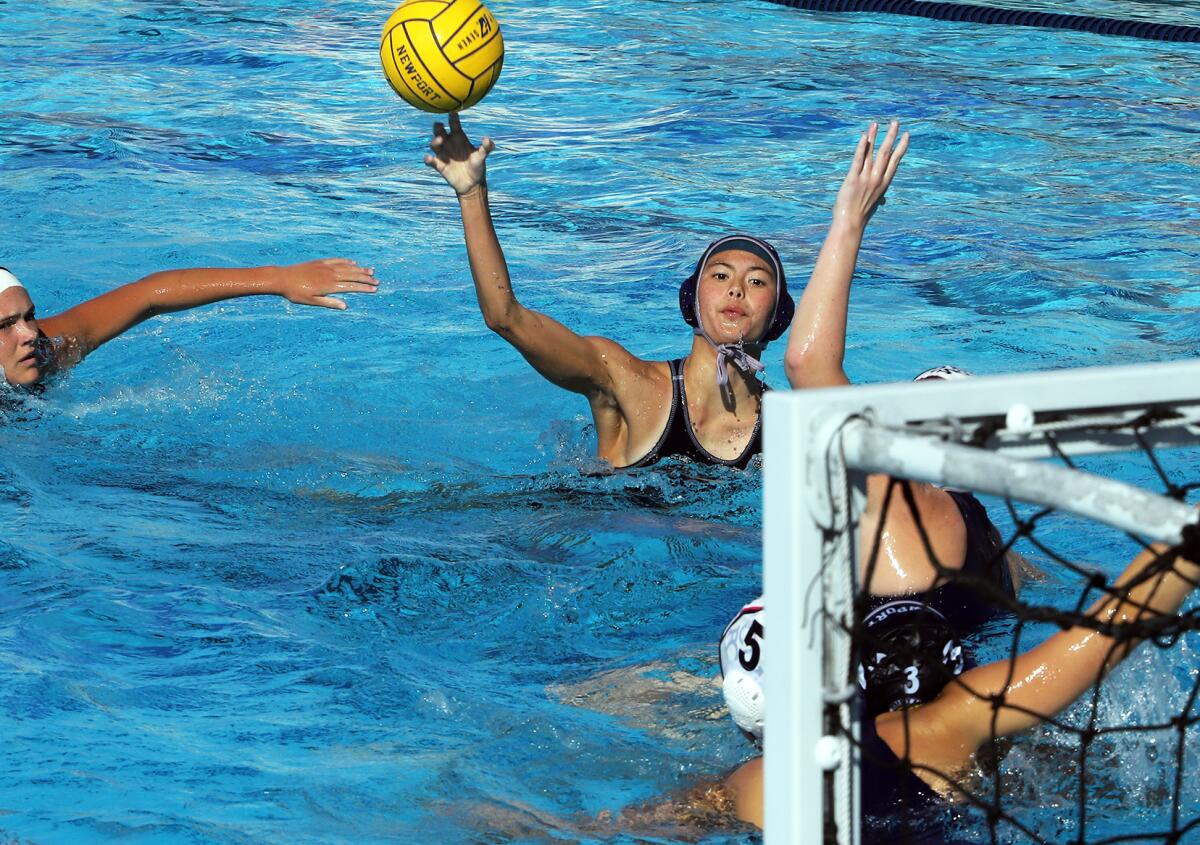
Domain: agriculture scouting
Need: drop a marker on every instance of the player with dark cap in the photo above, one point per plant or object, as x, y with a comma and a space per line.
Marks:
705, 406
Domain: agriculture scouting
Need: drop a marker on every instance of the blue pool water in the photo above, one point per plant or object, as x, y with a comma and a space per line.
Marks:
273, 574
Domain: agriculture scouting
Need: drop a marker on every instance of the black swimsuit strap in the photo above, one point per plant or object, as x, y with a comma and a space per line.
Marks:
960, 601
702, 455
656, 452
678, 438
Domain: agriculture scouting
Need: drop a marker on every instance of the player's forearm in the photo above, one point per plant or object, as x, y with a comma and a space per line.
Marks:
1154, 584
177, 290
817, 341
1051, 676
493, 287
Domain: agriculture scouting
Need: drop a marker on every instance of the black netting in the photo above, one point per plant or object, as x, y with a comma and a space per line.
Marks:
1114, 765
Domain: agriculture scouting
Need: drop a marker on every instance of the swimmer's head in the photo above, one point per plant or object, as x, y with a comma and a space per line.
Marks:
18, 333
909, 654
946, 372
742, 669
738, 292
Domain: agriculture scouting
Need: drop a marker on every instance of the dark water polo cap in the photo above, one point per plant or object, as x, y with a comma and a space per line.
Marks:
909, 652
785, 306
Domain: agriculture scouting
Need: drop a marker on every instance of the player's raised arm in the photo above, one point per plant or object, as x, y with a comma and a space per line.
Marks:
1043, 681
569, 360
99, 320
817, 344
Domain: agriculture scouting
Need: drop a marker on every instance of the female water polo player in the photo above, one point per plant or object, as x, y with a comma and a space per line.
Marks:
914, 746
704, 406
31, 349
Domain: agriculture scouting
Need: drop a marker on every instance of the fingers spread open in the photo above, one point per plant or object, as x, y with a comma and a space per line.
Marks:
860, 152
894, 162
885, 149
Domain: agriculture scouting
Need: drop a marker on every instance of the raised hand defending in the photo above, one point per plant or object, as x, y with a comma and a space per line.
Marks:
817, 345
864, 187
462, 165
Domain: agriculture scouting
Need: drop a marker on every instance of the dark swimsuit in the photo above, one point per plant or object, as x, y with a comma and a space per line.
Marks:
965, 608
898, 806
679, 439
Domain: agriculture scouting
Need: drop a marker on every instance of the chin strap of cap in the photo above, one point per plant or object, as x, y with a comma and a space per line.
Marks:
732, 353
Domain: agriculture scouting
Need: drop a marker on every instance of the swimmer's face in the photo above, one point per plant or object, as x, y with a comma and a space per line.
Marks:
18, 338
736, 293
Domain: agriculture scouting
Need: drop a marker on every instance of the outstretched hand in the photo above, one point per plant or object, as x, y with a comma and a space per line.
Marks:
311, 283
865, 185
461, 164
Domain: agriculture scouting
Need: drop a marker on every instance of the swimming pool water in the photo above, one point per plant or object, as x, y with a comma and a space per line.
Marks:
274, 574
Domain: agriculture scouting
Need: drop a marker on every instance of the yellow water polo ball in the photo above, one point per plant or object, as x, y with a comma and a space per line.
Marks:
441, 55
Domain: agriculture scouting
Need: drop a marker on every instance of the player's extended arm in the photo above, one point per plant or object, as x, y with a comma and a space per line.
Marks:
569, 360
1041, 682
817, 342
99, 320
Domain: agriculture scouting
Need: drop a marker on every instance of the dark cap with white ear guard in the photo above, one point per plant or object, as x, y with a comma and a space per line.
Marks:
785, 306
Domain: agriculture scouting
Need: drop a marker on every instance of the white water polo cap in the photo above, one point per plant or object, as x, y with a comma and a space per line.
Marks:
8, 280
946, 372
742, 668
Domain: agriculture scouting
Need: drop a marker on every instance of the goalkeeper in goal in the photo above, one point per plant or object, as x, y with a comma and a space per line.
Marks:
915, 746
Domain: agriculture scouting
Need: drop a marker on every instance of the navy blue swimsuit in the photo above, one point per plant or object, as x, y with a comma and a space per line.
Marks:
679, 439
889, 789
965, 608
897, 805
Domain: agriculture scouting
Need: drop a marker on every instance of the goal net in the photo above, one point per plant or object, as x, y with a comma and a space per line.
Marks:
1078, 472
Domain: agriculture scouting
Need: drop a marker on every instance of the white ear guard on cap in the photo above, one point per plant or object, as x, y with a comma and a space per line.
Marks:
744, 698
741, 665
8, 280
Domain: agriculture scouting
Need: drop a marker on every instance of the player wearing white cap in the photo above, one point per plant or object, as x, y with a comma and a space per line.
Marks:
31, 349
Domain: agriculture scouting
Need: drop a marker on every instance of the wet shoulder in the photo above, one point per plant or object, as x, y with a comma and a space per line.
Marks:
621, 362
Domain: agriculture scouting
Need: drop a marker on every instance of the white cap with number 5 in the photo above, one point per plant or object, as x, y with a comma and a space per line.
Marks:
742, 668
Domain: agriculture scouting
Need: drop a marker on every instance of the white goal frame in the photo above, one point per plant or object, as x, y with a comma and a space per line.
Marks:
914, 431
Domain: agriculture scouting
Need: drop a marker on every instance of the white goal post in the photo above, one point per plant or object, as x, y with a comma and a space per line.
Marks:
924, 432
